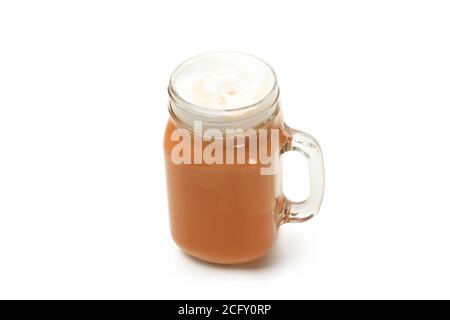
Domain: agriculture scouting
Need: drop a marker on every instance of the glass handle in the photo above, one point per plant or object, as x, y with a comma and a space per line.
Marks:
309, 147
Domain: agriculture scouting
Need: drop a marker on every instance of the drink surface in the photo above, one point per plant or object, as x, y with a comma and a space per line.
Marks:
223, 80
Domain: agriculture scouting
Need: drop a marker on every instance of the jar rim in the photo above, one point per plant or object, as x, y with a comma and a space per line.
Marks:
176, 97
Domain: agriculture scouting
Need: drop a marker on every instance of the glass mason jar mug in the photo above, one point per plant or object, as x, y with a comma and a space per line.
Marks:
222, 146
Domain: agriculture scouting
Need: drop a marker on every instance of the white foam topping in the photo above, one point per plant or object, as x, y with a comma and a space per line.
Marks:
223, 80
224, 89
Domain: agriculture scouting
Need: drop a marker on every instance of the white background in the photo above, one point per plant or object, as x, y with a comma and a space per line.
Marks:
83, 210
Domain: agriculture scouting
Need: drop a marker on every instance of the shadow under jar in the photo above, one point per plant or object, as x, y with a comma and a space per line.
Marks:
222, 147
